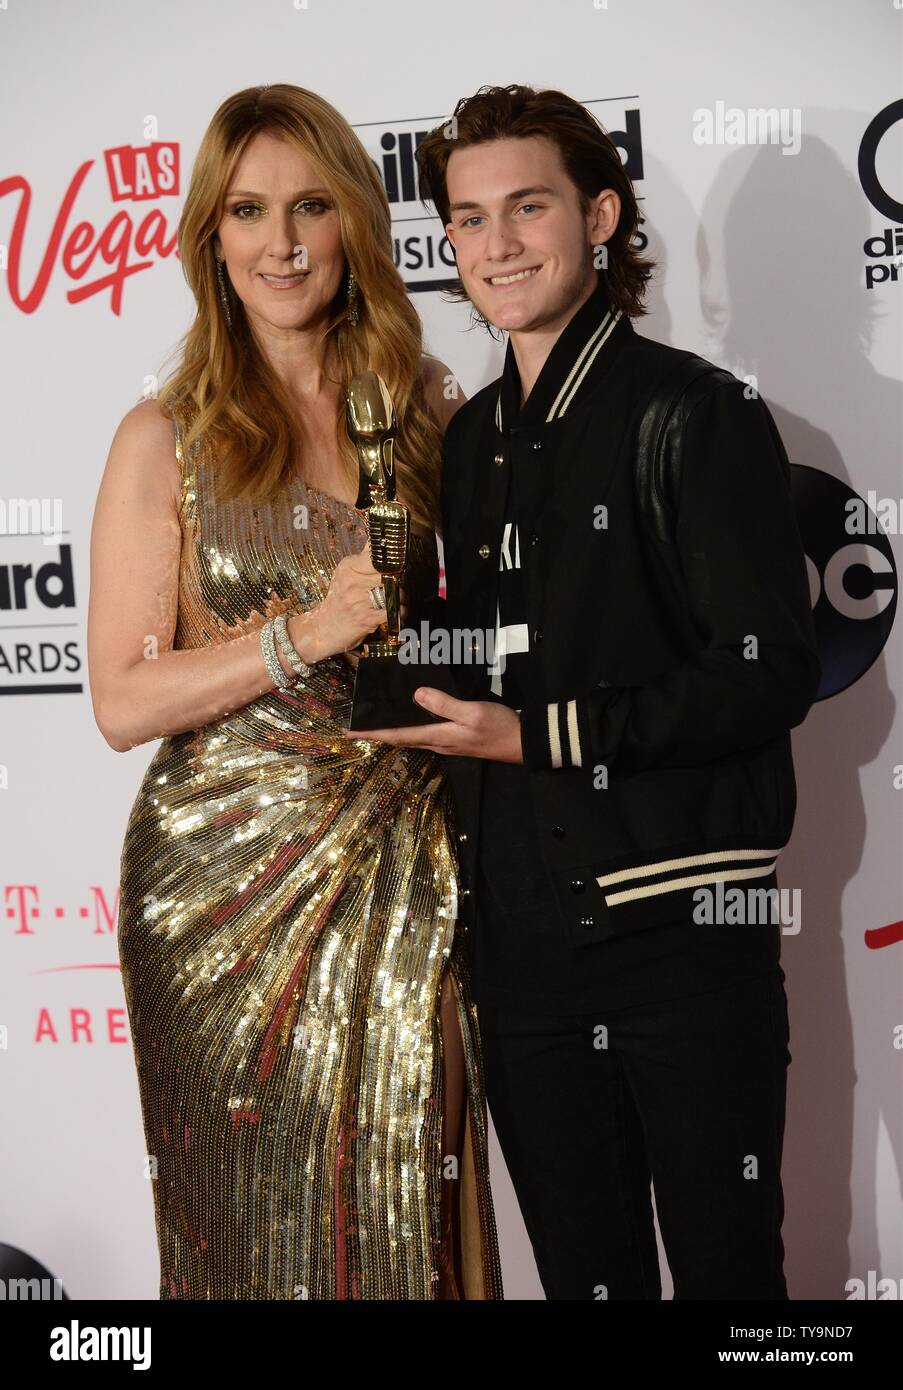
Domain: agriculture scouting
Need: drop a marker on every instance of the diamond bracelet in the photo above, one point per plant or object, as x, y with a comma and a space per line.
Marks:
273, 664
276, 628
289, 650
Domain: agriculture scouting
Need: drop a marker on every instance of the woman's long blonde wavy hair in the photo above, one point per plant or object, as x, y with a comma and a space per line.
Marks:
223, 389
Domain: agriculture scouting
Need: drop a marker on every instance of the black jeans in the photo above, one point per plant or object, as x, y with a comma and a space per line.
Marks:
687, 1095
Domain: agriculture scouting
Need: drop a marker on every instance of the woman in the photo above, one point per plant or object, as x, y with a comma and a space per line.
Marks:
307, 1051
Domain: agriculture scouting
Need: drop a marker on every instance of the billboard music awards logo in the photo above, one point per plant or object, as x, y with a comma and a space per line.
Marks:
423, 254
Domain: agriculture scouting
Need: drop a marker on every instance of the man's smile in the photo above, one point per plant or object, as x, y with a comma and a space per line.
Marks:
512, 277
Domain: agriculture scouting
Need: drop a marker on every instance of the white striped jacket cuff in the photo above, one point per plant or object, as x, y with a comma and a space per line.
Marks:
555, 735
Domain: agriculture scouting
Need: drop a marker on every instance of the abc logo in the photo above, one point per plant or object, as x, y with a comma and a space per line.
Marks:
852, 579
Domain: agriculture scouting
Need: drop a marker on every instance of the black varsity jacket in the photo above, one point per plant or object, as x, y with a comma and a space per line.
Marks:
657, 743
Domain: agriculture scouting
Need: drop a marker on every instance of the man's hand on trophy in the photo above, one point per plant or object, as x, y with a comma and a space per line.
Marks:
470, 729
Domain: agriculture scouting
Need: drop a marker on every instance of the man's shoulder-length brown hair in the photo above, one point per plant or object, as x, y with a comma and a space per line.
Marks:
590, 157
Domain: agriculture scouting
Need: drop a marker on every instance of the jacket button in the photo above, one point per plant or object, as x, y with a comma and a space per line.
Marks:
578, 885
465, 893
500, 458
484, 552
462, 836
587, 921
558, 832
537, 635
534, 538
537, 443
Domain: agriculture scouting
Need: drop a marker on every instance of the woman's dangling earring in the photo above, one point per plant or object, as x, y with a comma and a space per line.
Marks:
353, 315
221, 278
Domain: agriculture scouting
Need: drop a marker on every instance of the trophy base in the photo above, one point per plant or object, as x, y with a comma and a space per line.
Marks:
384, 692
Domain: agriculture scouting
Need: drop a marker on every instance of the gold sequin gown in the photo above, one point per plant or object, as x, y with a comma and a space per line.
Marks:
287, 920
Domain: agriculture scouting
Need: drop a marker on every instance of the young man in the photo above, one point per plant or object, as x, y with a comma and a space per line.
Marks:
623, 769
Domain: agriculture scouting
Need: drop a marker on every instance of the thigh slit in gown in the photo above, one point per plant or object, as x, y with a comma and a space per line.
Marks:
298, 993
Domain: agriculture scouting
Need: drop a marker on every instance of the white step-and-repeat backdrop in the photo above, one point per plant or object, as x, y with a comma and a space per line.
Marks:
780, 241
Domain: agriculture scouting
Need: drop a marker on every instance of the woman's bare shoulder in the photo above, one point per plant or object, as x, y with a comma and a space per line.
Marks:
148, 424
144, 447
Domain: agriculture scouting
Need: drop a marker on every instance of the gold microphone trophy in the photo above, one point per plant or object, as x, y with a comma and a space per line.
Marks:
383, 685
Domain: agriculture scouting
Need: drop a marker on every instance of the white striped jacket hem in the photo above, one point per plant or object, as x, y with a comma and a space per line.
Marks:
669, 876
